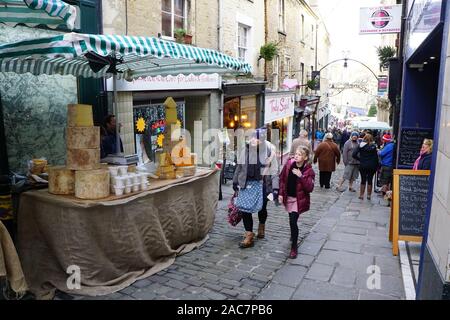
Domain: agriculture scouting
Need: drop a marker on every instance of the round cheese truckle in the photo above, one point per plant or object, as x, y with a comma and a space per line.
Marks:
92, 184
61, 180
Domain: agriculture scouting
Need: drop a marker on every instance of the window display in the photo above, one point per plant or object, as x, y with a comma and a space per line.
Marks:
149, 128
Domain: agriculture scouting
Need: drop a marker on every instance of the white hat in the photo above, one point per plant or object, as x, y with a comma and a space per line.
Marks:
329, 136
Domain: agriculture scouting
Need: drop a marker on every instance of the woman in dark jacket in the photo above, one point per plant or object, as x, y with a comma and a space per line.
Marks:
367, 155
423, 162
296, 183
259, 164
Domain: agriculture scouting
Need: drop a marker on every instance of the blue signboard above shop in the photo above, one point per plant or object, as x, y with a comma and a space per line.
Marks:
423, 17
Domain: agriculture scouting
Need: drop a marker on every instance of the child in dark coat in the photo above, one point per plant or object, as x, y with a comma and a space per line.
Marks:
296, 183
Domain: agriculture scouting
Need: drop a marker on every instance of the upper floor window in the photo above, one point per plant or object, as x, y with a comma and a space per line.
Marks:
302, 28
281, 21
276, 72
243, 34
302, 73
287, 67
173, 14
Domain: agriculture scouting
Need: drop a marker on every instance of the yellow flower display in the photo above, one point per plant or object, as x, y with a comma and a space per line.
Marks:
140, 125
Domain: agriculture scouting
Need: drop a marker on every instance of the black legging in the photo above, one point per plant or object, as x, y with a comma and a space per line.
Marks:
325, 177
262, 215
367, 175
293, 218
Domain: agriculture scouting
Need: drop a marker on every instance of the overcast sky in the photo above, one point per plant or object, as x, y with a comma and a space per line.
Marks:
342, 21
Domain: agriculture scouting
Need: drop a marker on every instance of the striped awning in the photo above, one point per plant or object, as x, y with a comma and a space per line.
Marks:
51, 13
139, 56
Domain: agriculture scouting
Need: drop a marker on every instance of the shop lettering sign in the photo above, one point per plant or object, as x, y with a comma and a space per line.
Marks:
278, 107
178, 82
376, 20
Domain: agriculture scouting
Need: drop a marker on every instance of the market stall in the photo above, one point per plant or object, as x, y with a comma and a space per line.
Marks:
115, 241
86, 221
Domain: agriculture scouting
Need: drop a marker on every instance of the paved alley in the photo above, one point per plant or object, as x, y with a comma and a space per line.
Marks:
340, 237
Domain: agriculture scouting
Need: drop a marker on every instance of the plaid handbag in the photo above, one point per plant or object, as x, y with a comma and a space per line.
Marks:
234, 215
250, 199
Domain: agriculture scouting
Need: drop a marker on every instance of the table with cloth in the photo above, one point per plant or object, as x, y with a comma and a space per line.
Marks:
113, 243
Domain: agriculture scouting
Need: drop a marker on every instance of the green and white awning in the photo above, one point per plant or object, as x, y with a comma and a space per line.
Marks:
51, 13
142, 56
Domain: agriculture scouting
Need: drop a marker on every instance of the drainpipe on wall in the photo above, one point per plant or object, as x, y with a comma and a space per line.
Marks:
219, 26
266, 36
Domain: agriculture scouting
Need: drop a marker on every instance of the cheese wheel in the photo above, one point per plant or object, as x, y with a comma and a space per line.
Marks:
83, 159
83, 137
61, 180
79, 115
92, 184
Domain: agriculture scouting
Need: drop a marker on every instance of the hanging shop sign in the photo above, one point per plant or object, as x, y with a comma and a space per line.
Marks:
376, 20
383, 82
179, 82
278, 106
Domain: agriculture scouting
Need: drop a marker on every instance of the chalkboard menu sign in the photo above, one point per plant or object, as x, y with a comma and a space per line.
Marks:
408, 210
411, 140
413, 204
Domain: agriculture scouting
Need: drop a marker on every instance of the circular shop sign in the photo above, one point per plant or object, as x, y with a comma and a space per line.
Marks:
380, 19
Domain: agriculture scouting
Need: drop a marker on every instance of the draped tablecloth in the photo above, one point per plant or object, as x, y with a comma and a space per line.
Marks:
112, 243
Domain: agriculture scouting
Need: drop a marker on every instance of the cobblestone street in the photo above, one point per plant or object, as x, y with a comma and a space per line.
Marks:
219, 269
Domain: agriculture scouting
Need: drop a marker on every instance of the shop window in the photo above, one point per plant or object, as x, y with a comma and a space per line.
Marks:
243, 35
149, 127
173, 16
240, 112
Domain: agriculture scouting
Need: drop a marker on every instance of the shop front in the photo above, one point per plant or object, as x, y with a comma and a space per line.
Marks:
242, 104
422, 116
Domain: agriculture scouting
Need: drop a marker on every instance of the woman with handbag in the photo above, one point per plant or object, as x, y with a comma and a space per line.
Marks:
254, 179
296, 184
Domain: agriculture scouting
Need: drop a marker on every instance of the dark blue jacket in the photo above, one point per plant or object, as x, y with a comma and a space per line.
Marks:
387, 155
425, 162
108, 145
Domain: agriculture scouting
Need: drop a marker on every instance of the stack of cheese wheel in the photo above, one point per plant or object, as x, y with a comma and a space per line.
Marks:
83, 153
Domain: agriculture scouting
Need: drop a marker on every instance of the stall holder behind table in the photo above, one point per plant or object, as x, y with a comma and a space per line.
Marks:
113, 243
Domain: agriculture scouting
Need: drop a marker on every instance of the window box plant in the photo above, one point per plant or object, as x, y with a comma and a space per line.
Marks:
181, 36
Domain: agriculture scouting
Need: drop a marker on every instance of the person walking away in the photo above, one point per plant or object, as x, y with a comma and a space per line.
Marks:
258, 154
296, 184
423, 162
345, 137
328, 155
367, 155
302, 140
387, 157
351, 171
337, 137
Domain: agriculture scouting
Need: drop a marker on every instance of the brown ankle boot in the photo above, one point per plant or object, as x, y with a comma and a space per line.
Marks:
248, 240
261, 231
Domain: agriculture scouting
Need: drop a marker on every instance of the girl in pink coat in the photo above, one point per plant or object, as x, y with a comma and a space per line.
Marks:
296, 183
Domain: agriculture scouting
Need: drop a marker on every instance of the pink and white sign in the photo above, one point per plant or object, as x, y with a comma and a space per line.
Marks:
375, 20
278, 106
179, 82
